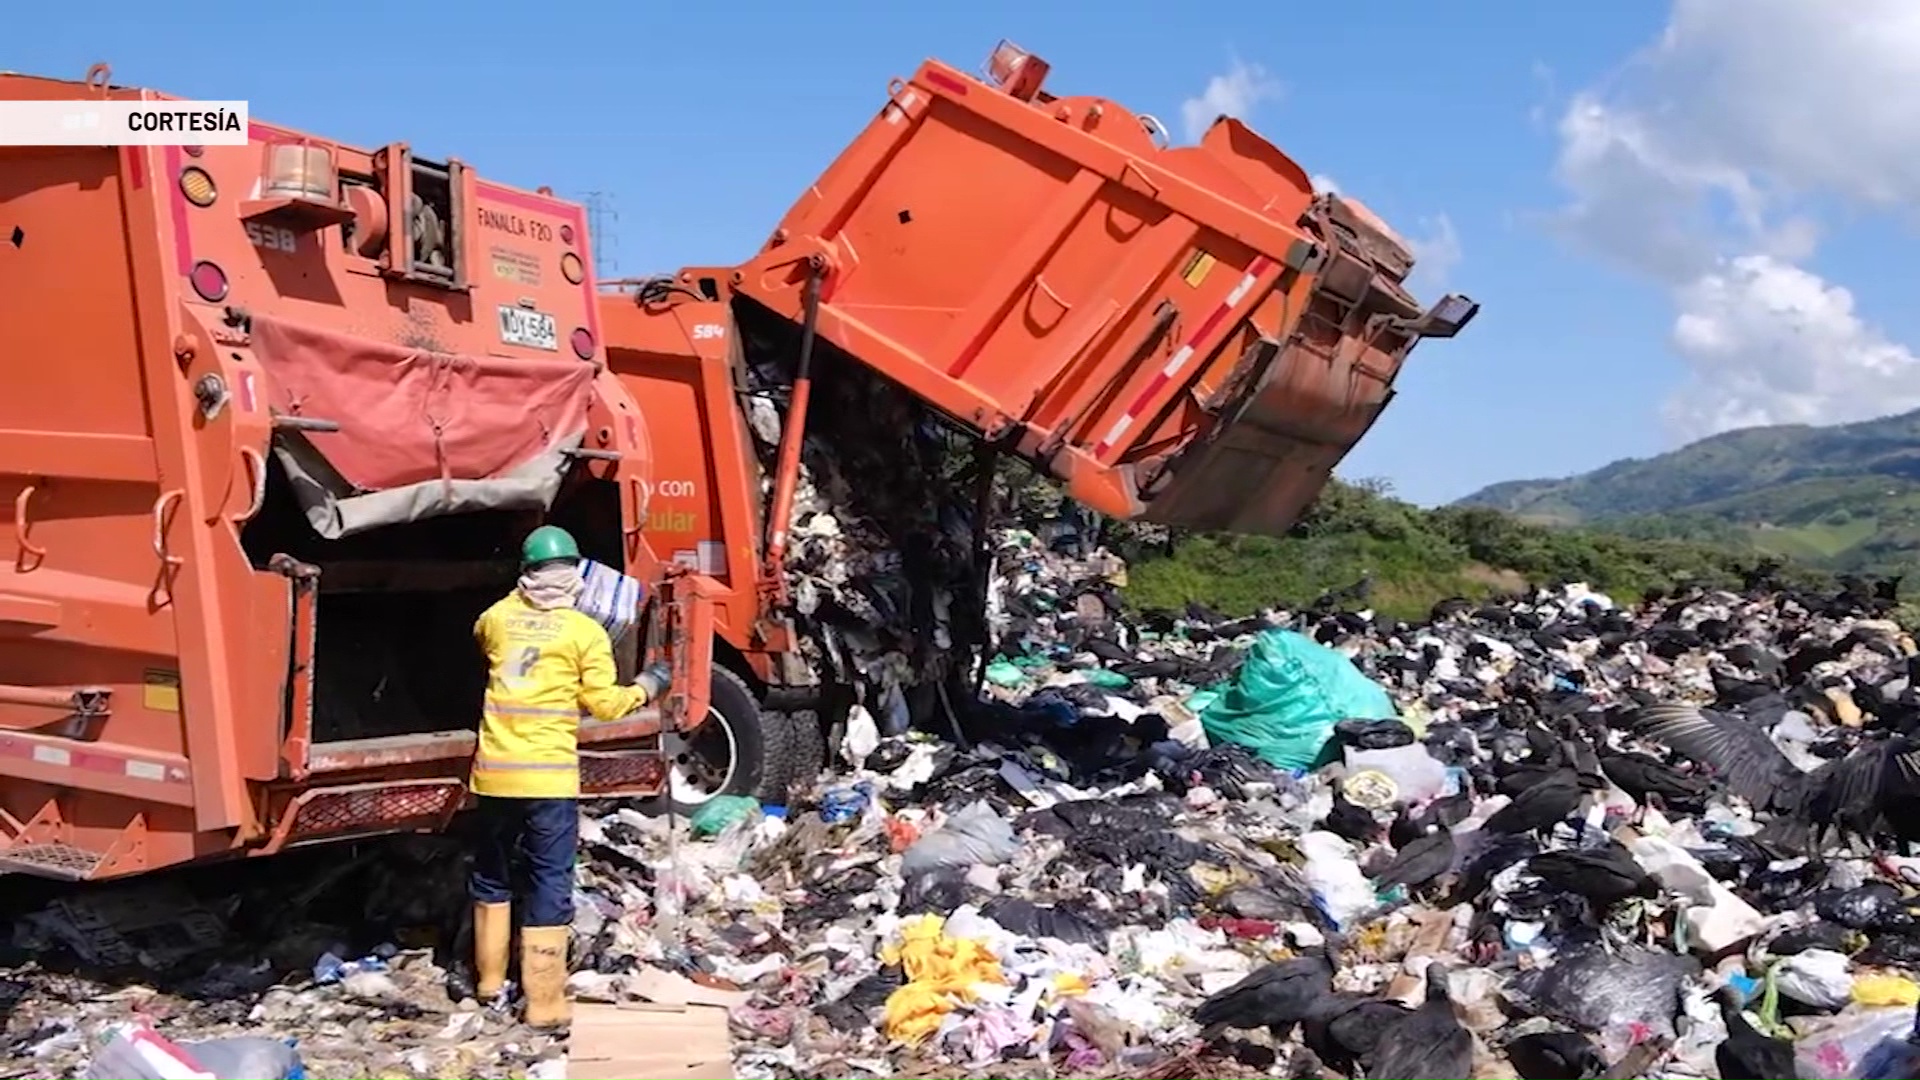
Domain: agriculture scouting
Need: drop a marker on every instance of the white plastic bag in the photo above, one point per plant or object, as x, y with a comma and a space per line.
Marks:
1335, 879
1816, 977
1860, 1044
976, 836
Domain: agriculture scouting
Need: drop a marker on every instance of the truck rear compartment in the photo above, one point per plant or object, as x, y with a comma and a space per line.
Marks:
393, 650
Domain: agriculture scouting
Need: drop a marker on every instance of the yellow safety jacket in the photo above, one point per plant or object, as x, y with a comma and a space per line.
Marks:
547, 670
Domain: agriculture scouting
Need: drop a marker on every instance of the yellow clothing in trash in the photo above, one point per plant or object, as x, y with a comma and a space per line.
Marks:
546, 668
941, 971
1885, 990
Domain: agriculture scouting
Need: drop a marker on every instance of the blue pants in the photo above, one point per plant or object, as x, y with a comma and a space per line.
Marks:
545, 833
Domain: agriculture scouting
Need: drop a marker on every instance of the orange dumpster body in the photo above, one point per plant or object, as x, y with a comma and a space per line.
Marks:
1189, 336
276, 418
278, 415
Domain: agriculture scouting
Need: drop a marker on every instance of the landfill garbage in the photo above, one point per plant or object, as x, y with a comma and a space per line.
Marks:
1552, 835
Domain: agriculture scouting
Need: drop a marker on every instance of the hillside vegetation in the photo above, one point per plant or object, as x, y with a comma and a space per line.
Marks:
1844, 498
1415, 557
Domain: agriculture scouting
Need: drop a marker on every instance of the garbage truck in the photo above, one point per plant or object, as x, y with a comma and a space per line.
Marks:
276, 417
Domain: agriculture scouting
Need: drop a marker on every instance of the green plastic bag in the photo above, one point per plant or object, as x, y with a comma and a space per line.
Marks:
1286, 698
1108, 680
1002, 673
720, 813
1202, 700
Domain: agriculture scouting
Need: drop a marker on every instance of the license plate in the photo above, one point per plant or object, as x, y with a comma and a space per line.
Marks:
532, 329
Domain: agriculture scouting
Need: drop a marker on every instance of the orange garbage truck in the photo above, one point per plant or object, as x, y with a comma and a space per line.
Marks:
276, 416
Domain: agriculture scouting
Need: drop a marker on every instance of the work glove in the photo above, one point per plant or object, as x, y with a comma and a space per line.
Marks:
655, 679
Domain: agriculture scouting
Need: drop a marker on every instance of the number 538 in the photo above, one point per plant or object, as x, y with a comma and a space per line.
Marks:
273, 237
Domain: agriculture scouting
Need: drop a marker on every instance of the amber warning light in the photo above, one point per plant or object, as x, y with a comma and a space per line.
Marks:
123, 123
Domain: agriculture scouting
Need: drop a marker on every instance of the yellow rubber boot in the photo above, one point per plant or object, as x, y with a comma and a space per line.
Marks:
543, 974
492, 942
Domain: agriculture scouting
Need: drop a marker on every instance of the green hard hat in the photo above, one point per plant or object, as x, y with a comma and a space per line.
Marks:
548, 543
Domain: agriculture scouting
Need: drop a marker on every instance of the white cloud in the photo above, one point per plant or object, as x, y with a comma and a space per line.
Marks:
1700, 165
1235, 92
1322, 183
1435, 255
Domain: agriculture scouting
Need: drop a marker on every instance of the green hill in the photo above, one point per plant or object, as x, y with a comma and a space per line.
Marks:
1415, 557
1843, 498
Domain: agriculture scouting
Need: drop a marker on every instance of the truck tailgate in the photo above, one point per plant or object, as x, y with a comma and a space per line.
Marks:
1185, 335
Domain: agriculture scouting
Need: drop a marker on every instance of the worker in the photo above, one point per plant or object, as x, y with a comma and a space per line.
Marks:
548, 666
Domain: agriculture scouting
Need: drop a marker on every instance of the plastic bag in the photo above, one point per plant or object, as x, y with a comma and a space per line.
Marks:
976, 836
720, 813
1414, 774
1374, 734
1333, 876
1874, 906
1028, 919
137, 1052
1816, 977
1589, 988
248, 1059
1287, 697
1865, 1044
1003, 674
610, 598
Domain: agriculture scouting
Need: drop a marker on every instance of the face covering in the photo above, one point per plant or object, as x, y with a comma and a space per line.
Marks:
551, 586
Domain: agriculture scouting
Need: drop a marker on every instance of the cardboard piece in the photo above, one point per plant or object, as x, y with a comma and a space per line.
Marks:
668, 1042
680, 1034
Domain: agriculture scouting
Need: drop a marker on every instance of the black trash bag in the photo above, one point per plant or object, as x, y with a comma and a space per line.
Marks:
1873, 906
853, 1010
889, 755
936, 892
1045, 921
1589, 988
1373, 734
1229, 770
1820, 935
1734, 861
1777, 890
1254, 902
1891, 950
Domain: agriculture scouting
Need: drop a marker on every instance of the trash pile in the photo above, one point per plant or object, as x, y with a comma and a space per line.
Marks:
1554, 836
881, 558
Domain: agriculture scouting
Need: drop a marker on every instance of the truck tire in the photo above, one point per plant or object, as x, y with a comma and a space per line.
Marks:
808, 746
738, 751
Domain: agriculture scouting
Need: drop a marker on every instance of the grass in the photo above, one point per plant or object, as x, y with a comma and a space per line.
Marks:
1418, 557
1815, 543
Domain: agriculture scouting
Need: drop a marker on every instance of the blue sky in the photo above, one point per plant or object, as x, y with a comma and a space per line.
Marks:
1583, 177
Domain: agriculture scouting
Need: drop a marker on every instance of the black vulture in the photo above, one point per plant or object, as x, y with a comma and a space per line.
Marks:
1351, 821
1419, 861
1604, 875
1275, 997
1347, 1028
1641, 776
1429, 1042
1737, 750
1543, 805
1871, 791
1555, 1055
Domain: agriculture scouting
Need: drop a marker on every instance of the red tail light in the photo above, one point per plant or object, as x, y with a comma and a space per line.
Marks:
209, 281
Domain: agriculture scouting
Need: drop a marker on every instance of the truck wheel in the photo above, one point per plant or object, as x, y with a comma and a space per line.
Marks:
809, 748
738, 751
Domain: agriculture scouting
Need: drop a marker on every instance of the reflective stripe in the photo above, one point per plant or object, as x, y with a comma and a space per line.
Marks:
487, 765
531, 710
